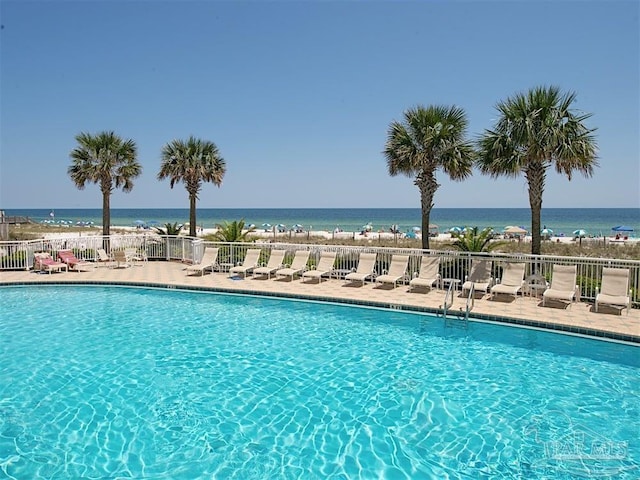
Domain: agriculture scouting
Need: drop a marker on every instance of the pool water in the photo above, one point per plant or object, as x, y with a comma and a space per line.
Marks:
113, 382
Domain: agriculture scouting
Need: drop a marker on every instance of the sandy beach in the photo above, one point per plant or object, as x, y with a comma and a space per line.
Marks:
329, 236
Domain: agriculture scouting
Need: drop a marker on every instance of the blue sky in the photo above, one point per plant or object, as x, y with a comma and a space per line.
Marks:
298, 96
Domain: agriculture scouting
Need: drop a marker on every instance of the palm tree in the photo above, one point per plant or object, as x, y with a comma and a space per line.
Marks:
170, 229
473, 241
233, 232
192, 162
536, 130
107, 160
430, 138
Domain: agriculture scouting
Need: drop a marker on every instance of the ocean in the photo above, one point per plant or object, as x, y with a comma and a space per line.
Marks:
595, 221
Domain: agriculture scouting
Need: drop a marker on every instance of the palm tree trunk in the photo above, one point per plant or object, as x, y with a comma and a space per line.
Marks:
192, 214
427, 184
535, 175
106, 217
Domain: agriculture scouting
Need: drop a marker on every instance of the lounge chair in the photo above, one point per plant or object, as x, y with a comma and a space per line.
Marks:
73, 263
396, 272
479, 277
366, 265
512, 280
120, 259
275, 263
133, 255
324, 266
614, 289
563, 285
103, 258
250, 262
209, 261
44, 262
297, 267
429, 273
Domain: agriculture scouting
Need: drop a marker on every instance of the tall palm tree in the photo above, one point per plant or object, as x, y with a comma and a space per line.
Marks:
107, 160
192, 162
535, 130
429, 138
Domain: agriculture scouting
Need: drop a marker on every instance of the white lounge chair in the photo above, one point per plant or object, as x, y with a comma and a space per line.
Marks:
366, 265
397, 270
298, 265
512, 280
275, 263
614, 289
209, 262
120, 259
479, 277
563, 285
250, 262
429, 273
103, 258
325, 266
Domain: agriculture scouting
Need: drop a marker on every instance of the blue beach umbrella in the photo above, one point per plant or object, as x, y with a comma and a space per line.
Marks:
455, 230
622, 228
281, 227
139, 222
579, 233
547, 231
266, 226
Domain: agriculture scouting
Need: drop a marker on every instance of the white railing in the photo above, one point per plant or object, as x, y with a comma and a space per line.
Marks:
453, 264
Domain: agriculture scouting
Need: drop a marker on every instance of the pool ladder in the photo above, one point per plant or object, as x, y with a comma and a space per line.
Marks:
448, 302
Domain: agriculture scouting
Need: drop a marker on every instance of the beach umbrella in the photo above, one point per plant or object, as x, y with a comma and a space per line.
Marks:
514, 230
139, 222
579, 233
266, 226
417, 229
297, 226
622, 228
281, 227
547, 232
455, 230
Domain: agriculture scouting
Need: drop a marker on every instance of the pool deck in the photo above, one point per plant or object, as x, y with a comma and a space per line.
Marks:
578, 318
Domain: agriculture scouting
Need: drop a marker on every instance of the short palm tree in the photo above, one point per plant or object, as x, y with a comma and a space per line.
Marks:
429, 139
192, 162
107, 160
473, 241
535, 131
233, 232
170, 229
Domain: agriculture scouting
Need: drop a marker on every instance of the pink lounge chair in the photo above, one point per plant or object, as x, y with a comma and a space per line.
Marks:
73, 263
44, 262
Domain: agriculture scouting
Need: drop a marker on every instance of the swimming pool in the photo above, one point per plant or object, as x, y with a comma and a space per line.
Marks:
140, 383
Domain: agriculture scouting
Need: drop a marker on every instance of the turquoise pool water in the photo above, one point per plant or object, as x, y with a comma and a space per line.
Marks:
110, 382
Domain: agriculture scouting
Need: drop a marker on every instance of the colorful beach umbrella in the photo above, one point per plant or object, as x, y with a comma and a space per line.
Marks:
455, 230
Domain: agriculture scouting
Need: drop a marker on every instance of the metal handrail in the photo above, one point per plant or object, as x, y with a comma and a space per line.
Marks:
471, 300
448, 296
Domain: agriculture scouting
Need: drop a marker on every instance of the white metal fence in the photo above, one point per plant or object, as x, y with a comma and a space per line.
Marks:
453, 264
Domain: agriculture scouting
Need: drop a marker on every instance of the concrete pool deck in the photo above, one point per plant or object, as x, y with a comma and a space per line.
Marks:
579, 318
